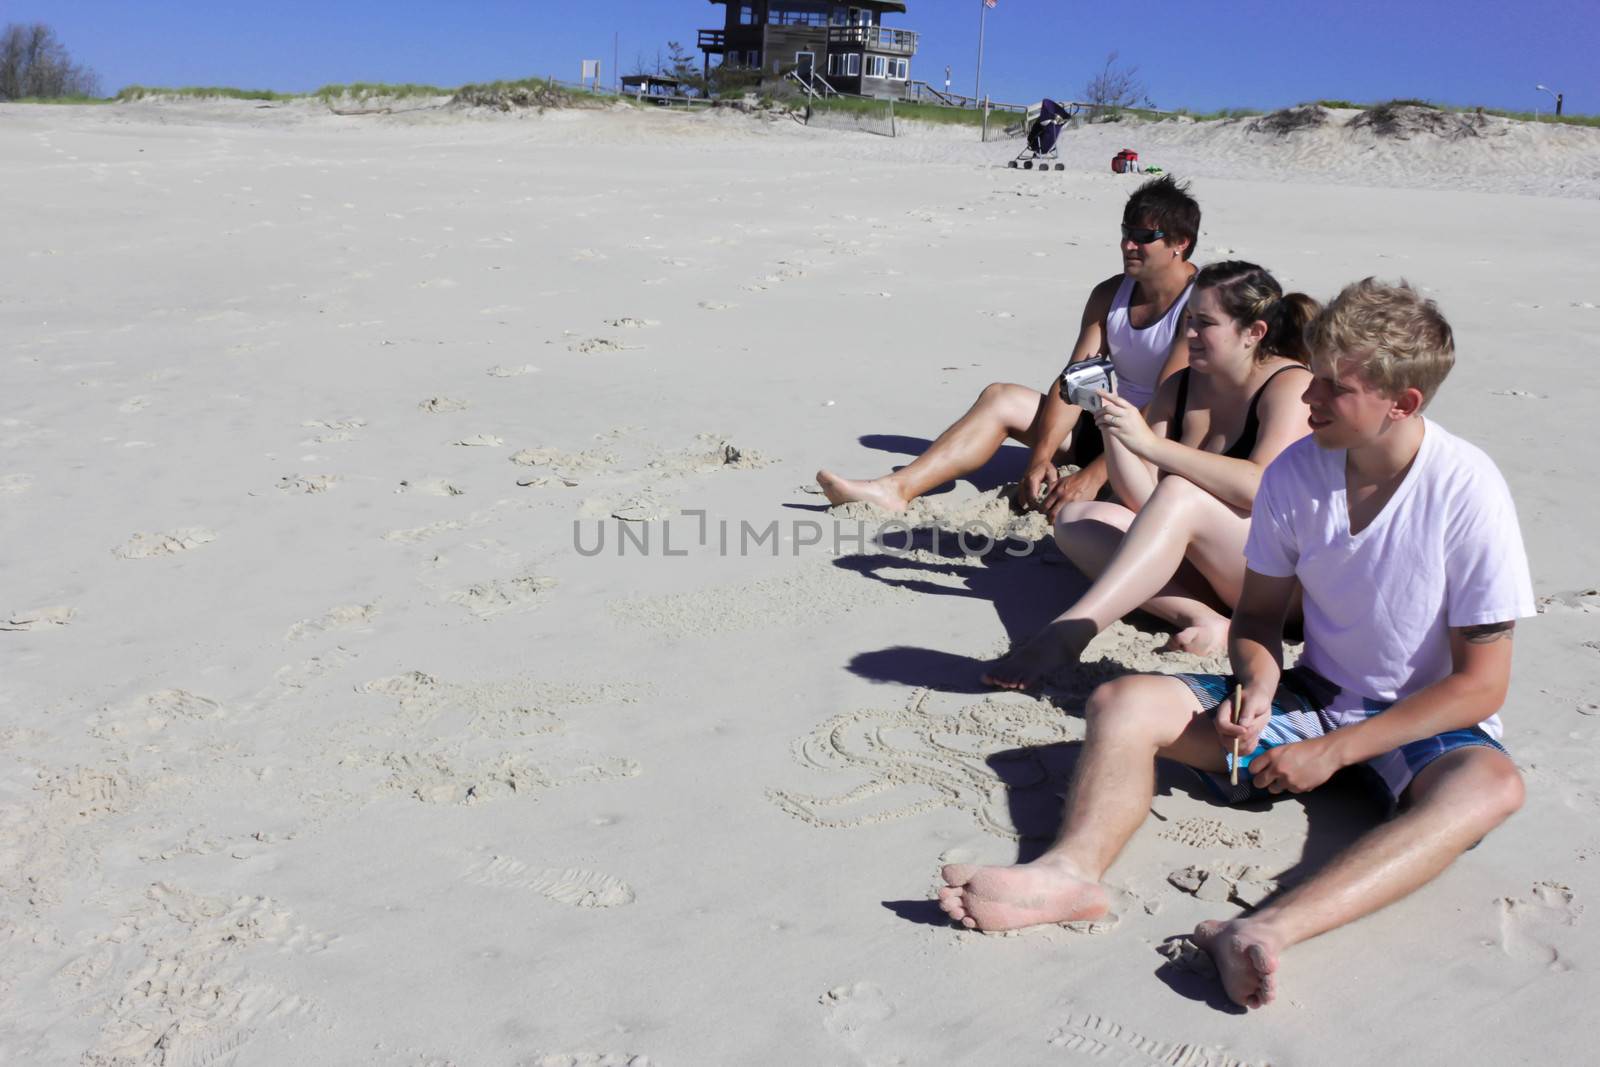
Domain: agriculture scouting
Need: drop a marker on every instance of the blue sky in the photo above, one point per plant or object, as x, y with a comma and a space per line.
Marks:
1248, 53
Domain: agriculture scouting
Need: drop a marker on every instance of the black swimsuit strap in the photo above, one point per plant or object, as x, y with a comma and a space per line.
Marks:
1246, 443
1175, 424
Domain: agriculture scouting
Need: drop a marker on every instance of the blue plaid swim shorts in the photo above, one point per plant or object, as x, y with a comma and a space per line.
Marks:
1307, 705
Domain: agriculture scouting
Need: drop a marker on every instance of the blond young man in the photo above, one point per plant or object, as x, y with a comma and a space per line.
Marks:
1404, 543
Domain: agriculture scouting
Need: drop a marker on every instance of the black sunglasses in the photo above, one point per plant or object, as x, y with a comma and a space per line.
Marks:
1141, 236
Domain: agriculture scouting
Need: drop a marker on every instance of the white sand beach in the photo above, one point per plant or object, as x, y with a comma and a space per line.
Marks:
325, 740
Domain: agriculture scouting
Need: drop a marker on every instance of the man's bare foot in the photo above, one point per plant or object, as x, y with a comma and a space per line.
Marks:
845, 491
1246, 961
1006, 898
1207, 638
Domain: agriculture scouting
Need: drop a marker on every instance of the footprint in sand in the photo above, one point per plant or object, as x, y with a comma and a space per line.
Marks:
1101, 1038
430, 487
488, 599
439, 405
307, 483
150, 545
344, 617
133, 403
338, 430
498, 371
1536, 927
589, 1059
717, 305
190, 980
39, 619
574, 887
515, 708
711, 452
568, 465
418, 534
154, 712
15, 484
628, 322
480, 440
590, 345
850, 1011
437, 778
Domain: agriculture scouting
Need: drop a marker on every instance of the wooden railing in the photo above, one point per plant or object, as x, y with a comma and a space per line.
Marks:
877, 38
817, 86
922, 92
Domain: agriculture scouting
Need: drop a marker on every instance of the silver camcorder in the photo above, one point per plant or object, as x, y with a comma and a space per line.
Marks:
1080, 382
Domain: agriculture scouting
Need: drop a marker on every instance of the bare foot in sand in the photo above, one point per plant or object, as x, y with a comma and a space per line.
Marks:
845, 491
1006, 898
1063, 641
1205, 638
1022, 668
1245, 961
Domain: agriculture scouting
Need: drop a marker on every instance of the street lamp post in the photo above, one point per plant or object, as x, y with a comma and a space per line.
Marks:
1557, 97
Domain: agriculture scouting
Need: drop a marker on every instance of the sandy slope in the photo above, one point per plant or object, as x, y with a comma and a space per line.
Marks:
322, 740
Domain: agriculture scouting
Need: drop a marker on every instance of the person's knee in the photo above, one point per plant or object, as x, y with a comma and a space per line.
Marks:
1488, 794
997, 393
1125, 706
1174, 490
1502, 791
1084, 511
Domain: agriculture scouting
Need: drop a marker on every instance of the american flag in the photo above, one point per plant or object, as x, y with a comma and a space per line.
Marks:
990, 3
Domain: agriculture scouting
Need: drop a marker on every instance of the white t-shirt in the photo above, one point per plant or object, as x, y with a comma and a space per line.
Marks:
1444, 552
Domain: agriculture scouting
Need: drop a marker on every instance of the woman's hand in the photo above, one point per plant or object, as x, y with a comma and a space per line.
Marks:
1119, 419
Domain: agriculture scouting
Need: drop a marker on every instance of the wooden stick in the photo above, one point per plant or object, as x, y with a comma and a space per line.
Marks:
1238, 706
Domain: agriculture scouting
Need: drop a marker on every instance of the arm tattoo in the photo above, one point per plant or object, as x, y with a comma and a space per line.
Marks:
1488, 633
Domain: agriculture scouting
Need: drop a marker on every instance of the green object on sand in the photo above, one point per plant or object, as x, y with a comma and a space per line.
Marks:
1154, 170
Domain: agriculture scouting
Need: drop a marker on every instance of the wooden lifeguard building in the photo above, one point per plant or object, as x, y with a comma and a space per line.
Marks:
847, 44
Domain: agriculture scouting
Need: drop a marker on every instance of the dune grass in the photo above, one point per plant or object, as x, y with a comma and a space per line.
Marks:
921, 112
905, 109
367, 90
77, 99
1217, 115
1518, 116
202, 92
533, 85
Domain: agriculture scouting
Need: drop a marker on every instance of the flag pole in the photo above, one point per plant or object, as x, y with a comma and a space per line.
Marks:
983, 11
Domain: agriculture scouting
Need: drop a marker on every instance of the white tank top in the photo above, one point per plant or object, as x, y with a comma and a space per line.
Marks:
1139, 354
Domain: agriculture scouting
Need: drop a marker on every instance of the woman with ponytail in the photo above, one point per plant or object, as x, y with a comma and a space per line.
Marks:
1187, 477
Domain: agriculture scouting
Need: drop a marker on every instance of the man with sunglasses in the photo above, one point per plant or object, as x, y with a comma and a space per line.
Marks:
1135, 317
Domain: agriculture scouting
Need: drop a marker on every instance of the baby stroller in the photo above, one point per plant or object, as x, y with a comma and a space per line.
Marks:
1043, 134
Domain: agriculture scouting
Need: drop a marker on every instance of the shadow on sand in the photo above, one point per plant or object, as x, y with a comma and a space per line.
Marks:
1005, 466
